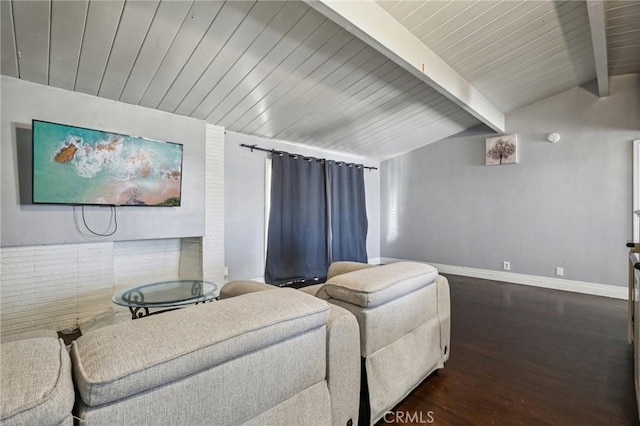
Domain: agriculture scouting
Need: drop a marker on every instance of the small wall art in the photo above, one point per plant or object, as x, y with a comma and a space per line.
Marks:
502, 150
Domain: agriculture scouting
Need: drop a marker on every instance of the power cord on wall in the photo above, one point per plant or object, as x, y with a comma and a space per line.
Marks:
114, 215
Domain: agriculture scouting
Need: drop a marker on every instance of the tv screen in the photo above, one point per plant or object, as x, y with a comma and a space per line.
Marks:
74, 165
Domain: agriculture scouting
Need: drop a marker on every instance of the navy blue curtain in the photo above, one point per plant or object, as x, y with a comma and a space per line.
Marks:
297, 242
347, 209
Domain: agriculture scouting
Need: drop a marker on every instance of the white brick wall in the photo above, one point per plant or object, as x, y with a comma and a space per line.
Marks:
54, 286
213, 241
145, 261
191, 258
60, 286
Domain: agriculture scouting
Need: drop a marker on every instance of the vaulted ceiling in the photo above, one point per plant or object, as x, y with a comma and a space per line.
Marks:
378, 79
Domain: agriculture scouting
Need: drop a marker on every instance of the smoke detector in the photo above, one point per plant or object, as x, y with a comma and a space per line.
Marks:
553, 137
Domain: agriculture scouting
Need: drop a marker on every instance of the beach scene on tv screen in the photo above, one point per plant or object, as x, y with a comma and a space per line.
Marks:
73, 165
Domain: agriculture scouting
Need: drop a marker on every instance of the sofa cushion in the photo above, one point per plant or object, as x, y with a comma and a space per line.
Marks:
128, 358
36, 382
371, 287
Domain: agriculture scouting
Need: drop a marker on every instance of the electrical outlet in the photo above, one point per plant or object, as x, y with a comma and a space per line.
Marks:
506, 266
226, 271
560, 271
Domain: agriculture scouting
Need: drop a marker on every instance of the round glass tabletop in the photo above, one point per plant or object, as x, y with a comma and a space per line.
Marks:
168, 294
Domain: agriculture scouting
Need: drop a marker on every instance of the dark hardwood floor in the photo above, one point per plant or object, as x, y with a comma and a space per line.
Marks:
528, 356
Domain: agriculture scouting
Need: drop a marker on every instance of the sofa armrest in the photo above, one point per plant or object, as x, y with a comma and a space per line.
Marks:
343, 366
339, 268
37, 388
238, 288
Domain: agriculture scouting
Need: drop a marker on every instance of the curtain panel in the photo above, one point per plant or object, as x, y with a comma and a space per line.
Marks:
318, 216
297, 242
347, 209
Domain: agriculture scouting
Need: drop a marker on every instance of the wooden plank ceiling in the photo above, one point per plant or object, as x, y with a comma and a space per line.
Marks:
515, 52
623, 36
279, 69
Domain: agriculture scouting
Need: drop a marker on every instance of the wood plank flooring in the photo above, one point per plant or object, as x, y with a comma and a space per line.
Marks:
528, 356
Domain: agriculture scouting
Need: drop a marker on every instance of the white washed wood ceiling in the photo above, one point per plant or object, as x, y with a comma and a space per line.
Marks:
514, 52
282, 70
623, 36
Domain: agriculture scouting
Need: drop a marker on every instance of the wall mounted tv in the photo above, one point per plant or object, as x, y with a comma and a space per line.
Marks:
74, 165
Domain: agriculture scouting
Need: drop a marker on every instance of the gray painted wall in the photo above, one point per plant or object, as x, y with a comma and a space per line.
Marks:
566, 204
245, 198
23, 101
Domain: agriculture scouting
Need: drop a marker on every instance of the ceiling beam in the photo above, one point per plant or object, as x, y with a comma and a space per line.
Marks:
595, 9
372, 24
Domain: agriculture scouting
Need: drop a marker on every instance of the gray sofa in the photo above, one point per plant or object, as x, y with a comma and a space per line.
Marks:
258, 359
404, 317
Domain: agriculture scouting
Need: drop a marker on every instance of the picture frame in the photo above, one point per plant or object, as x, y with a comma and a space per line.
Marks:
501, 150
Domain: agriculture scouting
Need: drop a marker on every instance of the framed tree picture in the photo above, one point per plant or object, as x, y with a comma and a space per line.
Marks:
502, 150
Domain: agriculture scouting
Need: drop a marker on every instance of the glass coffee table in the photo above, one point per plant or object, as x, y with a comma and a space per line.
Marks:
166, 294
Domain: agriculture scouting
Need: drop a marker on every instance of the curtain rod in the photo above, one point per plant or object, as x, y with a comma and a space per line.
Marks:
275, 151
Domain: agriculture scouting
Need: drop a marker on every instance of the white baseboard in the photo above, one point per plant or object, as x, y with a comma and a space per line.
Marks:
584, 287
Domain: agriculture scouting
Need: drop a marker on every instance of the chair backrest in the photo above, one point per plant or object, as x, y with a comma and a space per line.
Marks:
229, 361
388, 301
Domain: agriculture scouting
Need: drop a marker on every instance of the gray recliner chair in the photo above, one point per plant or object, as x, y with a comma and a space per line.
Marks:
403, 310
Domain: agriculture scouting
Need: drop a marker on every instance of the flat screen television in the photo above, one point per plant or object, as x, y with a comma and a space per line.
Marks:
78, 166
